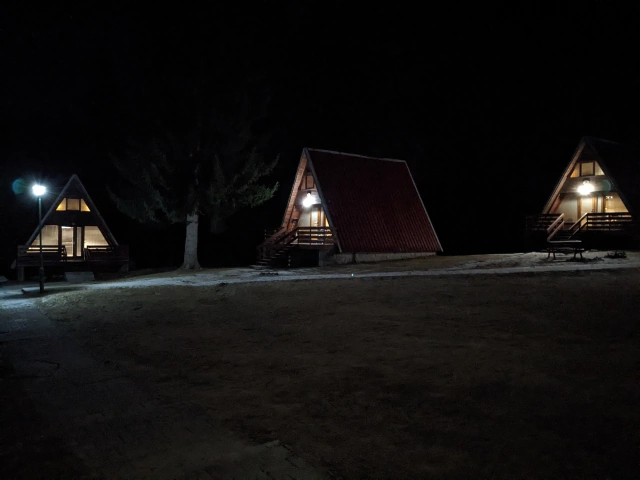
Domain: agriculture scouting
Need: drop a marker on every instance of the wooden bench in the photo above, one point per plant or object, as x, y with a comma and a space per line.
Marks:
565, 246
107, 254
29, 256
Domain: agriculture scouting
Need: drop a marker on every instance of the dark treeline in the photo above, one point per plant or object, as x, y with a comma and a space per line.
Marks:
485, 104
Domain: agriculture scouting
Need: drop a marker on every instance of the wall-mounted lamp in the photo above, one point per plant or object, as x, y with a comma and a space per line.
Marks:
586, 188
308, 201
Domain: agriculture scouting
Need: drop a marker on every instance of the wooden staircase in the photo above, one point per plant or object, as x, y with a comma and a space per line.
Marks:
275, 256
546, 225
277, 249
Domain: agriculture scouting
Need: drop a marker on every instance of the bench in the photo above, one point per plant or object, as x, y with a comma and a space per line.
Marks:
565, 246
107, 254
29, 255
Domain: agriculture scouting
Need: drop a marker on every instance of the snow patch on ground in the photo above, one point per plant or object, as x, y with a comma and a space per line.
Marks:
494, 264
500, 264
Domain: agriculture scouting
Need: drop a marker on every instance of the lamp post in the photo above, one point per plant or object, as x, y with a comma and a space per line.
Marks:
38, 191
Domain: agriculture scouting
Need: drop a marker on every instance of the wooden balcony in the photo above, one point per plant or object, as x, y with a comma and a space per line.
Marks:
281, 242
598, 230
605, 222
94, 258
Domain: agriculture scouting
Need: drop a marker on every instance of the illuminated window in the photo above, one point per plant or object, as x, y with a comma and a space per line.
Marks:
598, 169
576, 171
587, 169
49, 236
613, 204
73, 204
93, 237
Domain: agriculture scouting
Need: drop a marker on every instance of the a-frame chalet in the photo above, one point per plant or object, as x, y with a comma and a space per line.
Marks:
596, 201
347, 208
75, 237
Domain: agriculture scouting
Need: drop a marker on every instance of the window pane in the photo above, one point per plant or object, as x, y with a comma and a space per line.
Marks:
49, 236
63, 205
613, 204
67, 239
586, 169
576, 171
83, 206
73, 204
93, 237
599, 170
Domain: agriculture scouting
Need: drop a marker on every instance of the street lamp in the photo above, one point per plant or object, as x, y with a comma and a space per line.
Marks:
39, 191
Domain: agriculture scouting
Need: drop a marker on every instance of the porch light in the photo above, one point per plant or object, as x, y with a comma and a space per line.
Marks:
586, 188
308, 201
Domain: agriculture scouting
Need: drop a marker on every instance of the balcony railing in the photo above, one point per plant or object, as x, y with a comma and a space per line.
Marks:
313, 236
605, 222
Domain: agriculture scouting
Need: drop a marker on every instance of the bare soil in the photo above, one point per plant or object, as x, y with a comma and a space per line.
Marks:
521, 376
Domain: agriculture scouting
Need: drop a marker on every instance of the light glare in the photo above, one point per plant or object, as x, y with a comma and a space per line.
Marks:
585, 189
39, 190
308, 201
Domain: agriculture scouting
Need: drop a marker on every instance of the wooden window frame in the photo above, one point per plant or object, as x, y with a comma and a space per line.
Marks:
308, 176
593, 168
65, 202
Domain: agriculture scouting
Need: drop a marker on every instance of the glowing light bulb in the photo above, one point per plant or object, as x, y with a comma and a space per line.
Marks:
39, 190
586, 188
308, 201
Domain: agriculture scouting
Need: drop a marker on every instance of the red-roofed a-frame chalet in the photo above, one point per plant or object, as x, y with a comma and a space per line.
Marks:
347, 208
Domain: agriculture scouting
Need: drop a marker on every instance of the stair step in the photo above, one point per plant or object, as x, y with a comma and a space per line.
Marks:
275, 255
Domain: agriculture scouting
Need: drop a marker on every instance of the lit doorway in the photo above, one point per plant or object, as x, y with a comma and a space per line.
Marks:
587, 205
70, 238
317, 217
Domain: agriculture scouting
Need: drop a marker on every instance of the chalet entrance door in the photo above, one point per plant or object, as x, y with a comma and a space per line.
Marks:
587, 205
315, 216
70, 237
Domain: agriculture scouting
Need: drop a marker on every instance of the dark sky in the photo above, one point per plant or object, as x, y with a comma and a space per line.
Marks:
486, 103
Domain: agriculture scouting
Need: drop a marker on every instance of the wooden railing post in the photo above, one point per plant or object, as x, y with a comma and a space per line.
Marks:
555, 227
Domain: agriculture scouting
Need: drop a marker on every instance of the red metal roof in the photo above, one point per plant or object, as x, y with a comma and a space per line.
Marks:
372, 204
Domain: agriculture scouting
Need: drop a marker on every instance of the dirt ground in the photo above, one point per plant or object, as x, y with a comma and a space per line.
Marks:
521, 376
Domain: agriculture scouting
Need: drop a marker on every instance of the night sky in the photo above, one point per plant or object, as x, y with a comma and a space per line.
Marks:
486, 104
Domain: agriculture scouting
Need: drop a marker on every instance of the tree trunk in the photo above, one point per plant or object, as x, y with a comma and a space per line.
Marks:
191, 244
